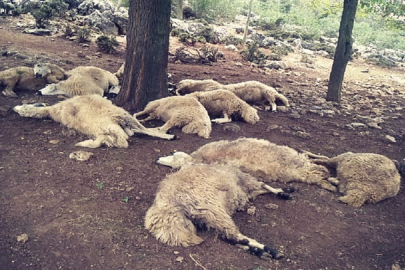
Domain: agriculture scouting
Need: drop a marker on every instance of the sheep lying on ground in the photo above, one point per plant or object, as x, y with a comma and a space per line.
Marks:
84, 81
179, 111
94, 116
190, 86
256, 93
206, 195
252, 92
224, 103
261, 158
363, 177
30, 79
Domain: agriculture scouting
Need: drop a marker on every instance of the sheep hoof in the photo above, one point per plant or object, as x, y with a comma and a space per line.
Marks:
266, 253
175, 137
284, 196
290, 190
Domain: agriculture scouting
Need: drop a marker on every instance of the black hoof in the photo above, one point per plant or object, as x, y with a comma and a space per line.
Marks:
290, 190
284, 196
175, 137
38, 93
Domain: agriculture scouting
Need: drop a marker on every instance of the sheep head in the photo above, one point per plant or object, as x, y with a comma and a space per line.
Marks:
176, 160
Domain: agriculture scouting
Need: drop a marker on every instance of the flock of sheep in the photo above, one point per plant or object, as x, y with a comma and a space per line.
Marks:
220, 177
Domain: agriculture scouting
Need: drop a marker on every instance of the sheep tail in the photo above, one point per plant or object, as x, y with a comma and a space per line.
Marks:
171, 226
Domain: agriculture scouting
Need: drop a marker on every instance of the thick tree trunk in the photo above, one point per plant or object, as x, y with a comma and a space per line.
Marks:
145, 74
343, 51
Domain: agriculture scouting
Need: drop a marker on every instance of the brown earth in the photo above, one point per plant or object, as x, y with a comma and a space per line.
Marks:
89, 215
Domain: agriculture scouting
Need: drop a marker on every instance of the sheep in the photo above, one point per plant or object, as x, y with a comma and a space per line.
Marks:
261, 158
30, 79
190, 86
94, 116
84, 81
226, 104
180, 111
206, 195
363, 177
120, 71
252, 92
255, 92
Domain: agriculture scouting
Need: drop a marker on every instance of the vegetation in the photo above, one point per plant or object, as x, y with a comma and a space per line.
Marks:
312, 19
107, 43
44, 11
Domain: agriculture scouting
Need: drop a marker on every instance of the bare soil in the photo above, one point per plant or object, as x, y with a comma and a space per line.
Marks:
89, 215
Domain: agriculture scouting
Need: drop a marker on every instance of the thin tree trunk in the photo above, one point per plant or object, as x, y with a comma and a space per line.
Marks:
343, 51
247, 24
145, 73
179, 10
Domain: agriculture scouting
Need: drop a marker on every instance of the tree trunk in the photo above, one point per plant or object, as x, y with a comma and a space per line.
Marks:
247, 24
179, 9
343, 51
145, 73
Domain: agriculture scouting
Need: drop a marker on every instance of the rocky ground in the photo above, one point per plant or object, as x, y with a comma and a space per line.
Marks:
89, 215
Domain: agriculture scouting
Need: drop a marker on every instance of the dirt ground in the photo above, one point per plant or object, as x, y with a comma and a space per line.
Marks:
89, 215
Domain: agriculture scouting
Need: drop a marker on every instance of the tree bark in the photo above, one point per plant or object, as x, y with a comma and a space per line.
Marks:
145, 73
343, 51
179, 9
245, 33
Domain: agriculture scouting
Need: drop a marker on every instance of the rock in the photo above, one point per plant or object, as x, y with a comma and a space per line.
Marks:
80, 155
251, 210
22, 238
389, 139
231, 127
180, 259
38, 32
271, 206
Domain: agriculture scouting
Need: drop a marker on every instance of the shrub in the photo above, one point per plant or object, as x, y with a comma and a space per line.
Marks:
83, 34
44, 11
106, 43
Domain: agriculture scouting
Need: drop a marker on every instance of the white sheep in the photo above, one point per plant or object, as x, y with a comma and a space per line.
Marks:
94, 116
84, 81
120, 71
179, 111
30, 79
190, 86
255, 92
252, 92
226, 104
261, 158
363, 177
206, 195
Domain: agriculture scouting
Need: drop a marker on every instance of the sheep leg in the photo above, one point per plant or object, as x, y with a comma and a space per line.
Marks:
137, 127
224, 119
90, 143
224, 224
354, 198
272, 101
8, 92
280, 192
334, 181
